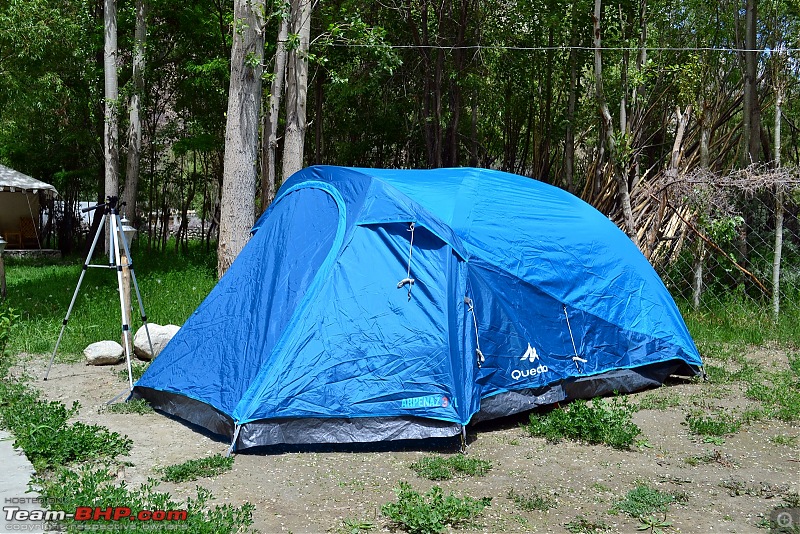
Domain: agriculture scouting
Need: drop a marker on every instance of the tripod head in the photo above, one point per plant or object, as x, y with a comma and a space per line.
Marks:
110, 205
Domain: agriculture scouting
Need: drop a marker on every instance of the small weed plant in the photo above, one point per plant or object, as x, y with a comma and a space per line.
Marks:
445, 468
644, 501
653, 525
535, 502
355, 526
433, 512
782, 439
581, 525
210, 466
600, 422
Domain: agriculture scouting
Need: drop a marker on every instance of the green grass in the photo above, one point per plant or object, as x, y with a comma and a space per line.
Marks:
603, 421
210, 466
135, 406
445, 468
738, 318
172, 286
643, 501
433, 512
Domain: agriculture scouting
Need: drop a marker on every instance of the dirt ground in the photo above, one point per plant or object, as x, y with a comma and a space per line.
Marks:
733, 490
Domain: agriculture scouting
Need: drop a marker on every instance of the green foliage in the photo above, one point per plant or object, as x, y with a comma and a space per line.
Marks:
68, 489
432, 512
137, 406
445, 468
602, 421
42, 430
535, 502
201, 468
581, 525
643, 501
721, 424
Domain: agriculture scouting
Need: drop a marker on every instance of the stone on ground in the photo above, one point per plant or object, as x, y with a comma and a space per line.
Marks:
159, 335
104, 353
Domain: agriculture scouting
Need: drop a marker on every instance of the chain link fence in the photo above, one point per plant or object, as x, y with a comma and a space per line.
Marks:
735, 250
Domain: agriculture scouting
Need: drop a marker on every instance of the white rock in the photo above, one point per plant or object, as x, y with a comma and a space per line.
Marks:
104, 353
159, 335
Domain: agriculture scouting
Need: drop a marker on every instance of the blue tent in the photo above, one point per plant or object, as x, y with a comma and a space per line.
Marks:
376, 304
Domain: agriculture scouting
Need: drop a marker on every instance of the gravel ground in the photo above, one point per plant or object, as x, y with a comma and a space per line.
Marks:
732, 488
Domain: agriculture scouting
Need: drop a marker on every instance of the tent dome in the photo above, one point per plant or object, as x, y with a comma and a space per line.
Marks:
375, 304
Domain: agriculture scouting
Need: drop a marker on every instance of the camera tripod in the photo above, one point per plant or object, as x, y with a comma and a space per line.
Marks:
116, 237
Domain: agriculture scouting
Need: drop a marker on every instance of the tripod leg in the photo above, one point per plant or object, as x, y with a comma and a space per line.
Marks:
100, 228
138, 294
126, 329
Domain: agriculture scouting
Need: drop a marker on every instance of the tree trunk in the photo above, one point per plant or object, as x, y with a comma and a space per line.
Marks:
751, 127
130, 193
296, 89
241, 132
269, 139
779, 209
608, 130
569, 141
111, 126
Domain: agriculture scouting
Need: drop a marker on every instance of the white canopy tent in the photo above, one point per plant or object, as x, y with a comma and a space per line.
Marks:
20, 208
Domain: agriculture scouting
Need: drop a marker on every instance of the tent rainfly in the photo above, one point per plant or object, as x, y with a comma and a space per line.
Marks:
376, 305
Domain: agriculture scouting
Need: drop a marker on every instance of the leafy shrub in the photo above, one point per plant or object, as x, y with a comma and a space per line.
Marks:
643, 501
42, 431
601, 421
432, 512
194, 469
68, 489
445, 468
